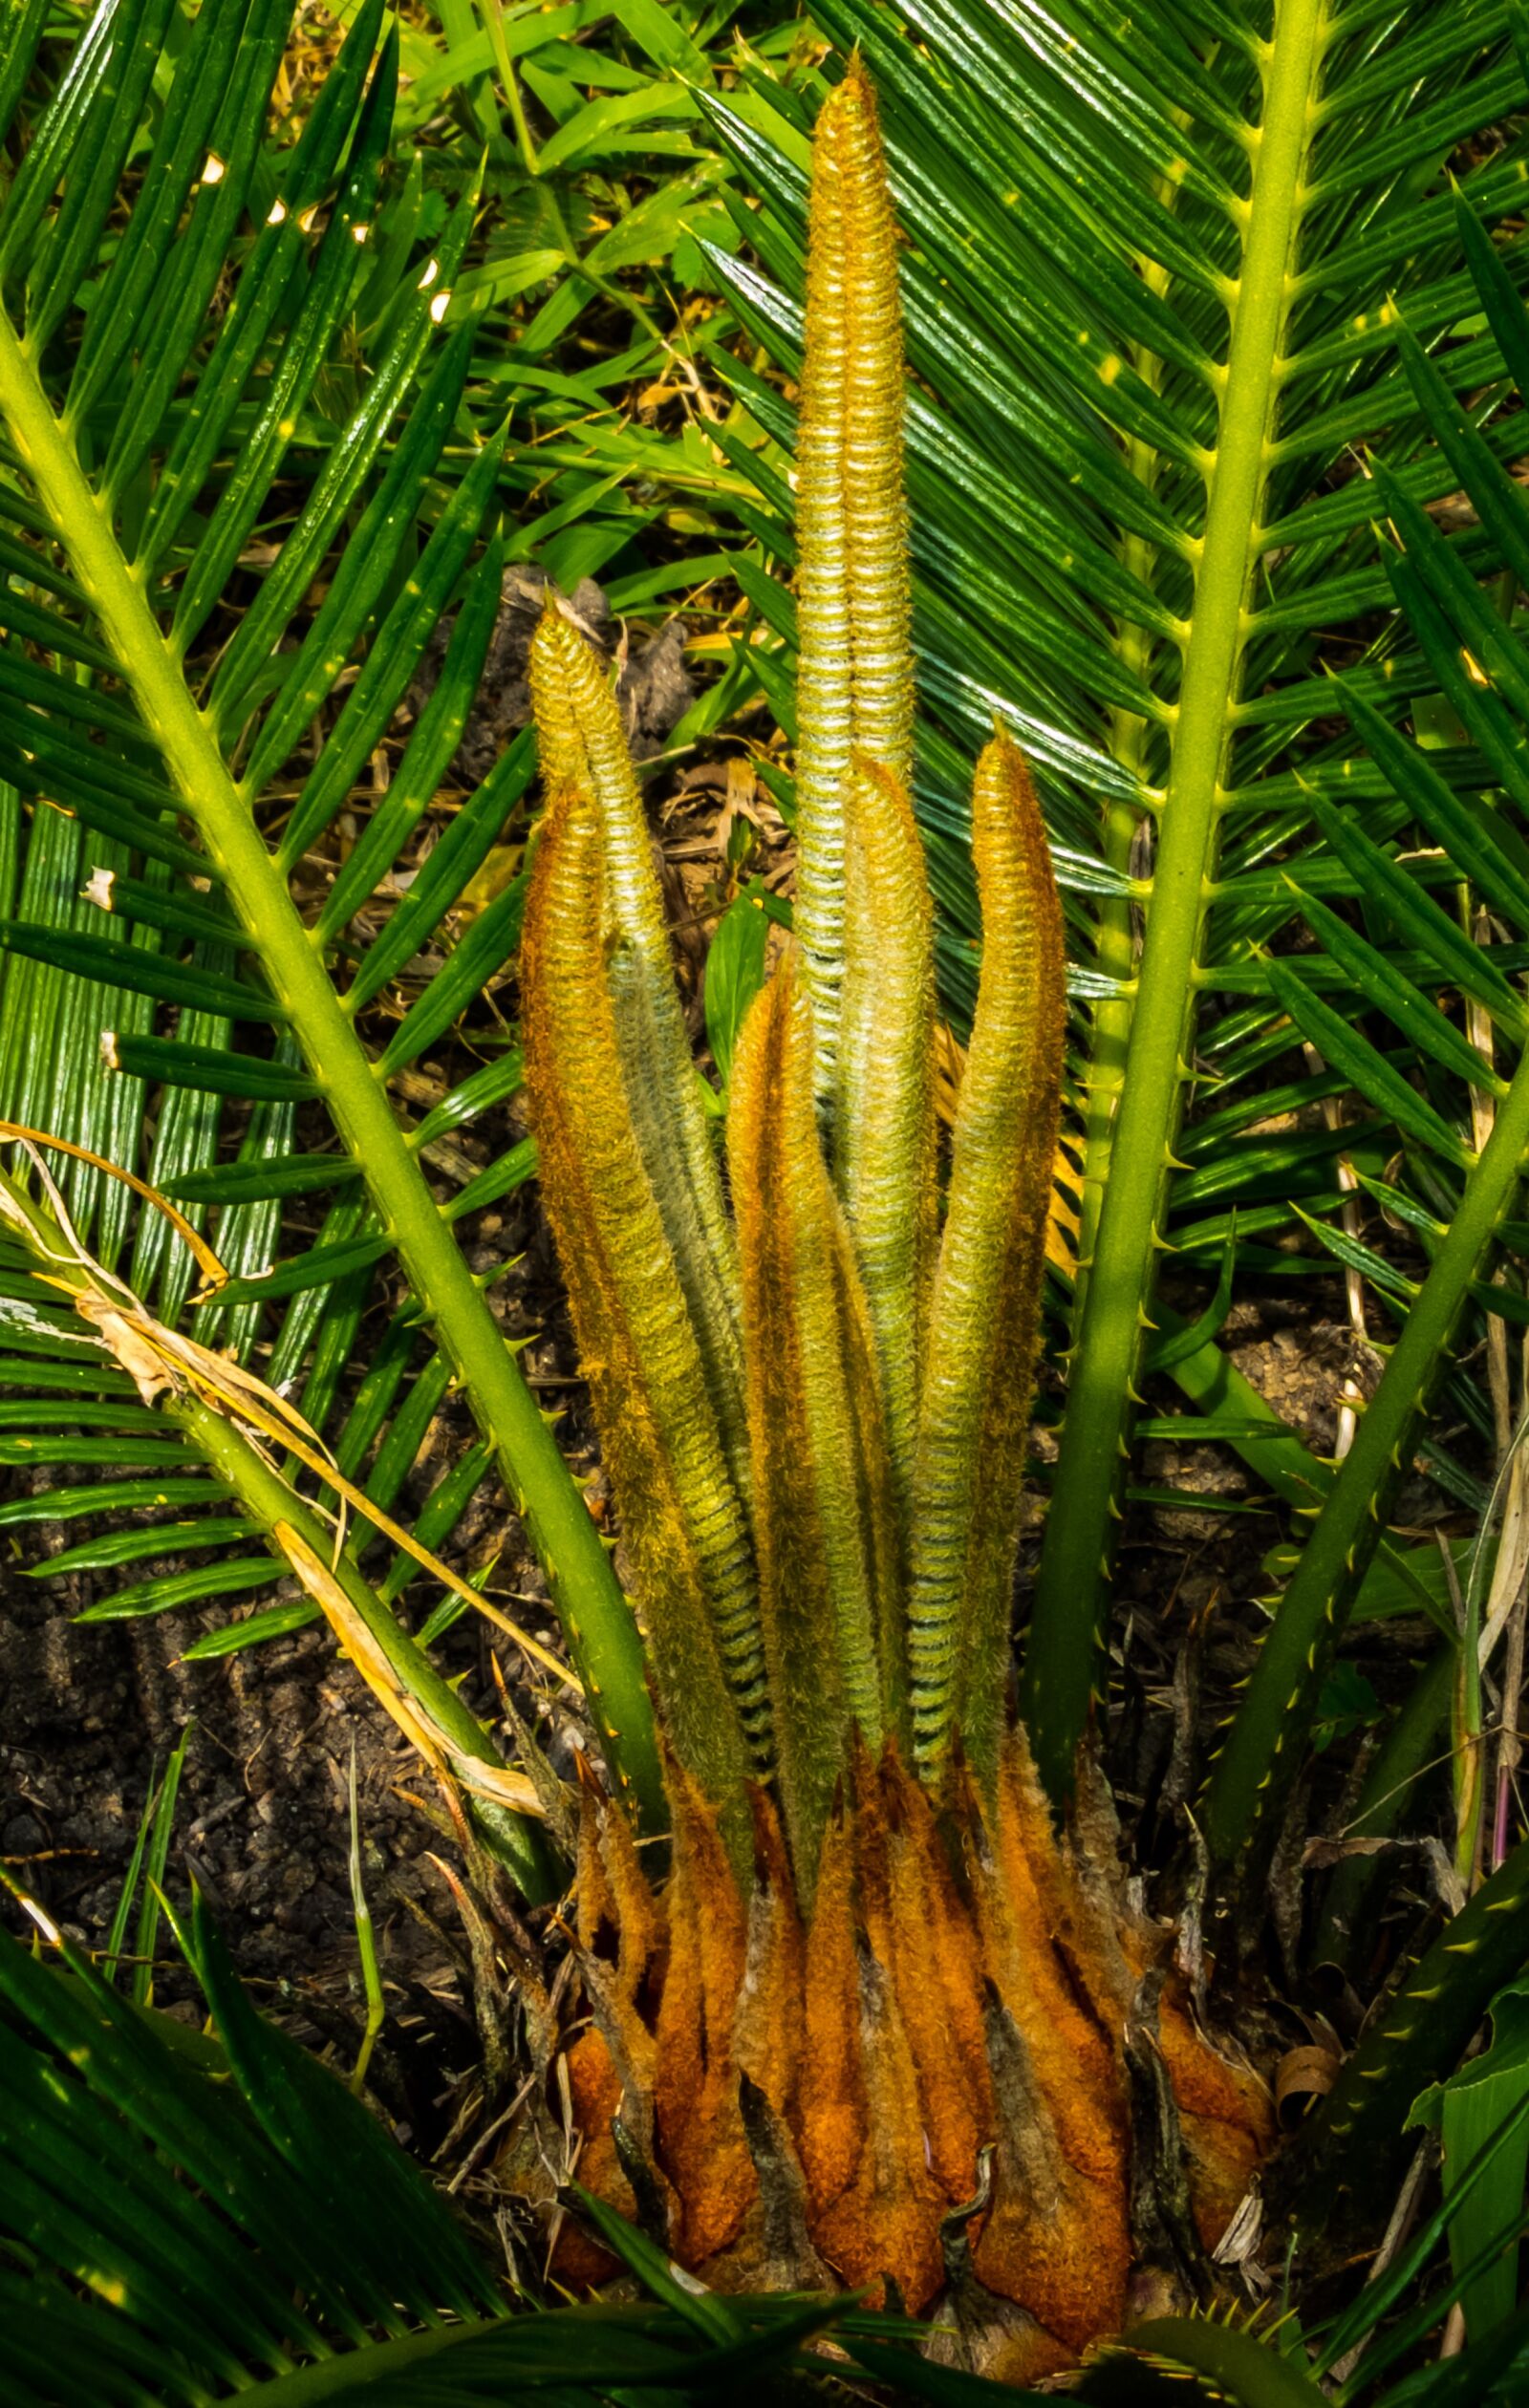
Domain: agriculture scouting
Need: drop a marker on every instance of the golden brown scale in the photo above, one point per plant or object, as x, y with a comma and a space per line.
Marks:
595, 2093
884, 2227
865, 2030
936, 1966
1225, 2116
832, 2126
618, 1911
699, 2129
1074, 2066
768, 2025
886, 2220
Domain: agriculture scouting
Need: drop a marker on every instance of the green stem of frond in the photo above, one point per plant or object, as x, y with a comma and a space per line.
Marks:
602, 1634
1061, 1659
1114, 926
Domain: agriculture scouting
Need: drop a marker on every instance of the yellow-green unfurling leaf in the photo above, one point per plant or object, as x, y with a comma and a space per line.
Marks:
582, 743
886, 1127
682, 1518
830, 1597
855, 682
985, 1312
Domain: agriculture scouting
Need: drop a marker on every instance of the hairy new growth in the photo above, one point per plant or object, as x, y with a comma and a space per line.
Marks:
906, 1994
854, 671
985, 1318
885, 1139
828, 1542
814, 1418
683, 1522
582, 746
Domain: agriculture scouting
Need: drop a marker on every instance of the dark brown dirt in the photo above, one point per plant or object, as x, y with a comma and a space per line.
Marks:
262, 1823
92, 1712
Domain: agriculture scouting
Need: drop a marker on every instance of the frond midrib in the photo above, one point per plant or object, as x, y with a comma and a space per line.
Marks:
1115, 1284
602, 1633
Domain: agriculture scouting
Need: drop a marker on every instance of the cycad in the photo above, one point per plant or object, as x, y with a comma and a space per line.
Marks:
872, 1961
141, 446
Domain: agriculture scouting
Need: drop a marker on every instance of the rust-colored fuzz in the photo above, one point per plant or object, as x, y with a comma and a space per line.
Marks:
923, 2086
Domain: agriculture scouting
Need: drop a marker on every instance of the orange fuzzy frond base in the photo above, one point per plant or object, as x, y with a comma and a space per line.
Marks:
929, 2072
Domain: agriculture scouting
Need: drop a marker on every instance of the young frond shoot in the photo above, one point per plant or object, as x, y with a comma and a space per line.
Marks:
854, 673
815, 1422
1170, 276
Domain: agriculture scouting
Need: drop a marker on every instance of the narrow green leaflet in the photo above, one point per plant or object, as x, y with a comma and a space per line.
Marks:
734, 972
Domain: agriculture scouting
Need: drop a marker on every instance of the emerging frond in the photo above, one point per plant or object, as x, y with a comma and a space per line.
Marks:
886, 1133
683, 1517
829, 1557
985, 1315
855, 685
583, 746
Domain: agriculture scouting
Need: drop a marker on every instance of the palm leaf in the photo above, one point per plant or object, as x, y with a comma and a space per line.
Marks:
1469, 1195
152, 522
186, 2214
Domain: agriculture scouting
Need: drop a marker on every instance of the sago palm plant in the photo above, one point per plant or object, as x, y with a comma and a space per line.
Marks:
875, 2020
875, 2005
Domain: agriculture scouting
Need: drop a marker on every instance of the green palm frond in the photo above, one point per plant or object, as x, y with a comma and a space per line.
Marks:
189, 2216
1460, 1117
157, 816
1163, 277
